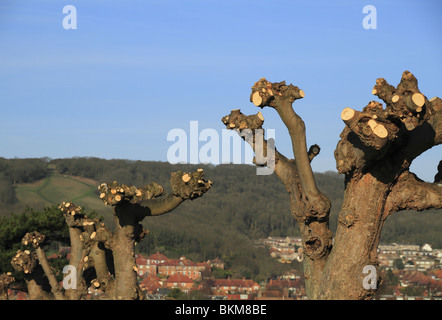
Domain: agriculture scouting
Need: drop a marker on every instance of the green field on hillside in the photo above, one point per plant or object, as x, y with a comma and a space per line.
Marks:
56, 188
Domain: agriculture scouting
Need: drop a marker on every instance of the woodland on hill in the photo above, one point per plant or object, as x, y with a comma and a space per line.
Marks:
240, 202
240, 207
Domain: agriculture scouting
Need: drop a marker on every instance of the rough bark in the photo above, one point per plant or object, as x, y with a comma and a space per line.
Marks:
356, 240
375, 152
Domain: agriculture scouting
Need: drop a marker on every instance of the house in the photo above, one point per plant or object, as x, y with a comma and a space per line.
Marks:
413, 256
217, 263
235, 286
286, 287
156, 259
273, 295
151, 284
145, 265
427, 251
159, 264
394, 248
179, 281
182, 266
292, 275
387, 260
423, 264
409, 254
286, 254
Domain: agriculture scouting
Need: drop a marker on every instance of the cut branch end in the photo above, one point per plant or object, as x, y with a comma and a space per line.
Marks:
418, 99
347, 114
256, 99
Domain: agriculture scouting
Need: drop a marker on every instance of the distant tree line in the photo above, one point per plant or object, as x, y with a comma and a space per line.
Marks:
235, 185
14, 171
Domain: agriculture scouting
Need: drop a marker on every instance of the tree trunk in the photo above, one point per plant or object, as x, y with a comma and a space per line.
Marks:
126, 286
131, 206
356, 241
375, 152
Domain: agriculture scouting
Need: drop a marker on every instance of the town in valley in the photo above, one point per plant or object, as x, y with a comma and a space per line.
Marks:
409, 272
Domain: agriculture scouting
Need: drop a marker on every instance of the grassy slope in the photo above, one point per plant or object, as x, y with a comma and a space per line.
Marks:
57, 188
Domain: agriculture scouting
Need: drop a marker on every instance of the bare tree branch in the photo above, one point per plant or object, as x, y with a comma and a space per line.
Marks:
411, 193
247, 127
131, 205
309, 206
36, 239
280, 97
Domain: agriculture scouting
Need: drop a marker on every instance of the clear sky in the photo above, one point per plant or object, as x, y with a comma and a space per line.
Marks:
134, 70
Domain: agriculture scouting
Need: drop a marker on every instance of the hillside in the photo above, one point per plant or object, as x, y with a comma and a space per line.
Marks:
241, 206
56, 188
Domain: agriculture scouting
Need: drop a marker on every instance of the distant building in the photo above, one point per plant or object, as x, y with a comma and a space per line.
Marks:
151, 284
292, 275
216, 263
424, 264
286, 249
182, 266
426, 249
414, 257
180, 281
145, 265
235, 286
286, 287
394, 247
156, 258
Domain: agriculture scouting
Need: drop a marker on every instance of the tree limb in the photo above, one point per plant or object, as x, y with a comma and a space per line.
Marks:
36, 281
36, 240
5, 280
131, 205
411, 193
309, 207
280, 97
247, 127
150, 200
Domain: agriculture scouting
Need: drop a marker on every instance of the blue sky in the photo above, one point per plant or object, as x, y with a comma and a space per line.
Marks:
134, 70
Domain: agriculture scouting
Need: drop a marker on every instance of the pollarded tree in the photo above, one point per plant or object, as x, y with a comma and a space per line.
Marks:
5, 280
375, 152
100, 257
